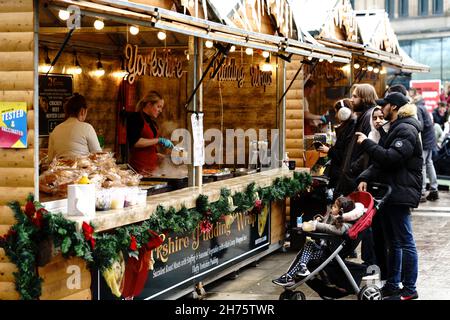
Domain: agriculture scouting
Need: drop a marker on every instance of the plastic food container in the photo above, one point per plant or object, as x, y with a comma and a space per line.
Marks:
117, 198
131, 196
142, 197
102, 199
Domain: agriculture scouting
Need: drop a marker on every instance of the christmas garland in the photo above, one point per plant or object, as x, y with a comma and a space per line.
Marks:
38, 234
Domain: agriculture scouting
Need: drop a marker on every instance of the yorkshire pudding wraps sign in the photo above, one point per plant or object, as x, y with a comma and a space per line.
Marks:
183, 260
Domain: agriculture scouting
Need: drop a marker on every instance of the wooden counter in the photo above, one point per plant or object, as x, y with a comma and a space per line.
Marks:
111, 219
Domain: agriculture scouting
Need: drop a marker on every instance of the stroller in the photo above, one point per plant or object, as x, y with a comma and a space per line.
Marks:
332, 269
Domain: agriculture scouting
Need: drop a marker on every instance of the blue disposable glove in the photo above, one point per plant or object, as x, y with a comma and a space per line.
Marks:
165, 142
323, 119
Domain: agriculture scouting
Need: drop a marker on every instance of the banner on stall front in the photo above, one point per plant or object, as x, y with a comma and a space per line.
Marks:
13, 125
429, 90
183, 260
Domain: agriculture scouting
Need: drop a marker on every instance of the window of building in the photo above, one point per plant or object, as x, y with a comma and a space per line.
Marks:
390, 8
423, 7
403, 8
438, 6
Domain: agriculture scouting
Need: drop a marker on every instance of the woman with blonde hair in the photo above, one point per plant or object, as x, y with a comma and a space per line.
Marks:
143, 133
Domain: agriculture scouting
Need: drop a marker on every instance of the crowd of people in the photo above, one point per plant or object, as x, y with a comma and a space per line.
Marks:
390, 141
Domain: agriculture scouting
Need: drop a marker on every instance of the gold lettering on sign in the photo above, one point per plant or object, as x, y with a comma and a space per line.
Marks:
230, 72
260, 78
165, 66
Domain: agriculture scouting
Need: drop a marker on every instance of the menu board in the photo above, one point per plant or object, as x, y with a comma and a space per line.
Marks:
13, 125
54, 89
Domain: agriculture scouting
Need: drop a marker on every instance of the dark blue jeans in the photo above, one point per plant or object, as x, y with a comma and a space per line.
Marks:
402, 252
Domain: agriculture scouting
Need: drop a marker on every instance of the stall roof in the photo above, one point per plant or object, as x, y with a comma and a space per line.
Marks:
377, 32
155, 17
366, 33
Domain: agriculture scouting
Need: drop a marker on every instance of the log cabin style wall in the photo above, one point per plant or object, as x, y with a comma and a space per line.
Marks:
101, 93
16, 84
294, 117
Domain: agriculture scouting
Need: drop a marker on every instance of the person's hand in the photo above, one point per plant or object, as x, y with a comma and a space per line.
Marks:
323, 148
360, 137
362, 186
323, 119
166, 143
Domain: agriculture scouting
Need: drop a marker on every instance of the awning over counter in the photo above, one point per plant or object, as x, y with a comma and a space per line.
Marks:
151, 16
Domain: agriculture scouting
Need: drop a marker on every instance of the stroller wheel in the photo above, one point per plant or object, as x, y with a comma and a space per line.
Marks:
292, 295
286, 295
370, 292
298, 295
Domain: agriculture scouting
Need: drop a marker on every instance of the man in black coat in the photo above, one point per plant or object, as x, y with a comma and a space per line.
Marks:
398, 162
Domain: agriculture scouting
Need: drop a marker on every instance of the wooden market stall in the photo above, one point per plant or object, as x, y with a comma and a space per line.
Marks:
242, 96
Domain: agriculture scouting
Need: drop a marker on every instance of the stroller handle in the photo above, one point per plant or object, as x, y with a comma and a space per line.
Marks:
388, 189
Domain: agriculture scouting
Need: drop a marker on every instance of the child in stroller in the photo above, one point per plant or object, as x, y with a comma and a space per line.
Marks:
343, 214
330, 276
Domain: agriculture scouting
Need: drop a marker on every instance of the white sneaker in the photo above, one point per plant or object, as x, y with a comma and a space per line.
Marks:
303, 272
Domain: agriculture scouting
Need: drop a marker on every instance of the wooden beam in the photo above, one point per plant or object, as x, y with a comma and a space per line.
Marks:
90, 30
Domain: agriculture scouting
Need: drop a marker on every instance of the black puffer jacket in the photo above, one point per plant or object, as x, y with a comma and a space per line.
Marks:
399, 161
344, 135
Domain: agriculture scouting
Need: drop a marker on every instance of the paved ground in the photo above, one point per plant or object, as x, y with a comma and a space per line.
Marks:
431, 223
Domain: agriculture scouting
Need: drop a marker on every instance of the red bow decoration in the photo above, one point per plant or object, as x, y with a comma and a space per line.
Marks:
133, 243
88, 232
30, 209
205, 226
258, 206
136, 270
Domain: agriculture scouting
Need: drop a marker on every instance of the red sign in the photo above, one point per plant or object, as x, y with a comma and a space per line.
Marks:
430, 91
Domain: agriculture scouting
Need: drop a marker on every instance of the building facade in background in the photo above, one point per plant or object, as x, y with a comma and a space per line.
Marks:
423, 30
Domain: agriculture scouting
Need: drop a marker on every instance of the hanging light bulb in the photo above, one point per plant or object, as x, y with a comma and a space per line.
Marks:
161, 35
346, 68
233, 49
100, 71
99, 24
321, 60
77, 69
64, 15
356, 66
249, 51
265, 54
310, 58
134, 30
209, 44
330, 60
47, 66
376, 70
122, 73
370, 68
